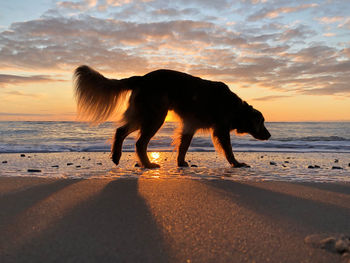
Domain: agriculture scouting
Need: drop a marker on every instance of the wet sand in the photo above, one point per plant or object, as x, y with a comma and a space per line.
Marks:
168, 220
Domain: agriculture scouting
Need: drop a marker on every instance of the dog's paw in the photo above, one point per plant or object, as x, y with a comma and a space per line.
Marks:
240, 165
115, 160
152, 166
182, 164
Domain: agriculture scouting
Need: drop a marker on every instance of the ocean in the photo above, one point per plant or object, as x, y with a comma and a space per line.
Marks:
298, 152
44, 137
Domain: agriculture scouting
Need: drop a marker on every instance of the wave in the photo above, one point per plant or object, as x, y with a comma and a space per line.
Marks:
315, 139
18, 137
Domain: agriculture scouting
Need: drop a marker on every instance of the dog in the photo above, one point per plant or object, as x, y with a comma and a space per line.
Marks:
200, 103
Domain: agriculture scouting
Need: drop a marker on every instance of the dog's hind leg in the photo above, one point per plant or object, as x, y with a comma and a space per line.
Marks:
185, 141
148, 130
222, 137
120, 134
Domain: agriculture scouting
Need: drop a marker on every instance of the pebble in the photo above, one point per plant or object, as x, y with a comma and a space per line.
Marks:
55, 166
193, 165
34, 171
337, 244
89, 159
313, 167
337, 168
99, 163
273, 163
4, 161
78, 166
341, 246
336, 161
69, 164
328, 244
286, 161
23, 155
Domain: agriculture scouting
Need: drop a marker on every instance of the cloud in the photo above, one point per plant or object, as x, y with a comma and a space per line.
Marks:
270, 98
24, 114
335, 89
345, 24
330, 19
6, 79
276, 12
80, 5
21, 94
174, 12
279, 56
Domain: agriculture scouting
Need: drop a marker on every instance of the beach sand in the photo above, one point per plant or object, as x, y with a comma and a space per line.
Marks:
168, 220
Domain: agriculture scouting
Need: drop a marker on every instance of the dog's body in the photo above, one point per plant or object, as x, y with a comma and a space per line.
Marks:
201, 104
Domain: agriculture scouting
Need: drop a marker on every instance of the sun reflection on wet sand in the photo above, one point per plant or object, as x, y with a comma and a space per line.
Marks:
155, 156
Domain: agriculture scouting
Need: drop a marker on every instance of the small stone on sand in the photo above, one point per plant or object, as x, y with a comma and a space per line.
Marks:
77, 166
34, 171
69, 164
341, 246
23, 155
328, 244
99, 163
337, 168
55, 166
193, 165
286, 161
311, 167
273, 163
4, 161
336, 161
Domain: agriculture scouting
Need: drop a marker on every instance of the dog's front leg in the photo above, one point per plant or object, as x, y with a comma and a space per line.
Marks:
120, 134
222, 137
185, 142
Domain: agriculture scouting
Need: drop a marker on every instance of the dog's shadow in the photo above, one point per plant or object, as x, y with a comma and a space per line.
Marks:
112, 226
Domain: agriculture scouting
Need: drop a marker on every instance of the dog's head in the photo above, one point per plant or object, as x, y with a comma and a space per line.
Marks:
252, 121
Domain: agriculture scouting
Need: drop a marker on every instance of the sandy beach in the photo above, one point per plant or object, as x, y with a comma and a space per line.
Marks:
169, 220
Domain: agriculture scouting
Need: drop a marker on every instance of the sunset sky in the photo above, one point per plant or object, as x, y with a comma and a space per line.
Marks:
289, 59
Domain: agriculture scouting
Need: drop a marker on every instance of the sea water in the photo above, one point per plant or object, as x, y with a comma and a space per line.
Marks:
22, 137
316, 152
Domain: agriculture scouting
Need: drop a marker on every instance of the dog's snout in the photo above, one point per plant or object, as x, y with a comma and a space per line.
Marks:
267, 134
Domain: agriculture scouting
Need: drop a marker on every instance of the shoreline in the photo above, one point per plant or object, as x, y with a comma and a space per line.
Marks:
265, 166
169, 220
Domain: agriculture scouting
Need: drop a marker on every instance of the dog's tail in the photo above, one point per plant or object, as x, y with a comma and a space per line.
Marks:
97, 96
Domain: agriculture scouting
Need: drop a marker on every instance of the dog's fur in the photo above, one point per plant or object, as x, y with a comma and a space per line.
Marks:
201, 104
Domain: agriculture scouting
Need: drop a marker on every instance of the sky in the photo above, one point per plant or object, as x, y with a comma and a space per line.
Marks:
289, 59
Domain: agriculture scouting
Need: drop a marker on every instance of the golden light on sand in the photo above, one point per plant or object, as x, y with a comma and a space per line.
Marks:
155, 156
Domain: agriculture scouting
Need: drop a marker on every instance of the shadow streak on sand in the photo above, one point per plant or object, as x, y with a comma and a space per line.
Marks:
112, 226
333, 187
309, 215
15, 203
